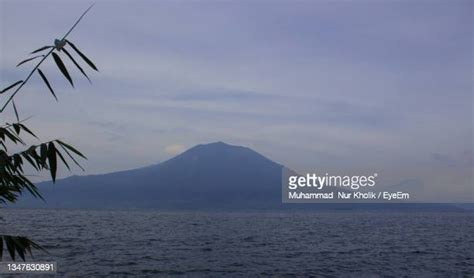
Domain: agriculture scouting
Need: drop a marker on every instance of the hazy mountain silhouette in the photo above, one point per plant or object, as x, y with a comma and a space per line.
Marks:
210, 176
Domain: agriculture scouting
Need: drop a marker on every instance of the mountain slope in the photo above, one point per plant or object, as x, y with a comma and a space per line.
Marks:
211, 175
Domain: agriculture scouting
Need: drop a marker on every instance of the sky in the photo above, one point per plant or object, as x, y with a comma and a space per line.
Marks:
345, 87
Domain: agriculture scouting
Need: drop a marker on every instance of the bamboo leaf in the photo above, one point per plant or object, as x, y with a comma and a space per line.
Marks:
18, 244
47, 84
11, 86
62, 67
6, 133
75, 63
41, 49
27, 130
43, 154
30, 187
18, 161
1, 247
71, 157
10, 246
4, 146
63, 160
52, 160
26, 243
19, 247
16, 112
30, 160
29, 59
17, 128
89, 62
71, 148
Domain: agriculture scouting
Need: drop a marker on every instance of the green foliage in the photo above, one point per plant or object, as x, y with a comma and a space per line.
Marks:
84, 57
45, 156
17, 245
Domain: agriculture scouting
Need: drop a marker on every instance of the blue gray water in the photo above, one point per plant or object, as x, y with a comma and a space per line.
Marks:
151, 243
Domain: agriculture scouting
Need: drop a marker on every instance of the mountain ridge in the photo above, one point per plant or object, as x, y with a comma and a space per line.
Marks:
216, 172
207, 176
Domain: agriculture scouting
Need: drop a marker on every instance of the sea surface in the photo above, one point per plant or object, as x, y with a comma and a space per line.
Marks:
153, 243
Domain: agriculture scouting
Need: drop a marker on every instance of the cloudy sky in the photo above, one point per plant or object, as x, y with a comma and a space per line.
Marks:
345, 87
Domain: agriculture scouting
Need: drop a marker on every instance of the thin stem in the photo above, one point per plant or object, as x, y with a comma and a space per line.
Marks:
77, 21
26, 80
42, 60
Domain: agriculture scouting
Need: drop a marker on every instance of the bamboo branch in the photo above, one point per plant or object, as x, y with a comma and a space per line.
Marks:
42, 60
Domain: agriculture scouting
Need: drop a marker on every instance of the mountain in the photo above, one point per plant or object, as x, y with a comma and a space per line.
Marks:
210, 175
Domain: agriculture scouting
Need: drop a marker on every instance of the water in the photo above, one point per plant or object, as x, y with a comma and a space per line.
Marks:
151, 243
